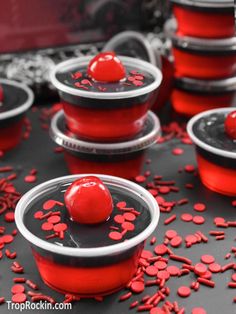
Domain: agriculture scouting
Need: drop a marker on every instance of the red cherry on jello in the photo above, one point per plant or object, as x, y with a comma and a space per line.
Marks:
230, 124
88, 201
106, 67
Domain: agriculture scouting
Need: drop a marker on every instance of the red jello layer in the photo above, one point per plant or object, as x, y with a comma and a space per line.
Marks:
127, 169
217, 178
191, 103
106, 125
204, 23
10, 136
165, 89
87, 281
204, 66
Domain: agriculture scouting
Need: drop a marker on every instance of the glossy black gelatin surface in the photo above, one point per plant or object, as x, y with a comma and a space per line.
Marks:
88, 236
211, 130
112, 87
13, 97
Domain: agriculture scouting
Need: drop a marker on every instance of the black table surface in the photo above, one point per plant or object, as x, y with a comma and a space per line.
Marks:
37, 152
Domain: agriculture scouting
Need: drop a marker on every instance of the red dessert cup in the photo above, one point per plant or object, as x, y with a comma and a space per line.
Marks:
206, 19
202, 58
123, 159
106, 116
17, 99
216, 160
87, 271
191, 97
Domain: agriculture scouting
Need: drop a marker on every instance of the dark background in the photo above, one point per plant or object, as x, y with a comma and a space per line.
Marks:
32, 24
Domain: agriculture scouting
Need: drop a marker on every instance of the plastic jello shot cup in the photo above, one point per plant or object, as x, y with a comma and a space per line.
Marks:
205, 18
83, 259
99, 107
215, 149
191, 96
15, 99
201, 58
124, 159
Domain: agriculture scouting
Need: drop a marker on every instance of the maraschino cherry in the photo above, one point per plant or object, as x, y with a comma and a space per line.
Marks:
230, 124
106, 67
88, 201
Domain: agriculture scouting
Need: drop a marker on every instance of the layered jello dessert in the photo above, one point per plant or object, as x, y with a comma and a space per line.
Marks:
214, 134
106, 98
205, 18
124, 159
191, 96
15, 100
202, 58
87, 232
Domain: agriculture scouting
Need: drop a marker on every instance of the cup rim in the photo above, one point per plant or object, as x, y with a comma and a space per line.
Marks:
77, 145
223, 85
107, 95
200, 143
206, 4
198, 44
23, 107
87, 252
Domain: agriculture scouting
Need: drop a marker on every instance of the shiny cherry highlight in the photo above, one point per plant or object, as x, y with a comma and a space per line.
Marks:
106, 67
88, 201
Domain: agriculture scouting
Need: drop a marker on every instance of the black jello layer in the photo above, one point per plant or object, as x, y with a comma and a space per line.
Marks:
212, 10
13, 97
221, 161
95, 261
108, 104
198, 90
210, 130
5, 123
102, 87
89, 236
204, 52
106, 157
108, 87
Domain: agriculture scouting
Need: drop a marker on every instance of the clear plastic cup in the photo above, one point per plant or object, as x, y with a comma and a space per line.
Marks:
206, 19
17, 99
202, 58
87, 271
123, 159
106, 116
191, 96
216, 159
